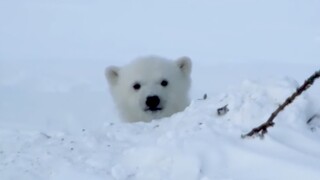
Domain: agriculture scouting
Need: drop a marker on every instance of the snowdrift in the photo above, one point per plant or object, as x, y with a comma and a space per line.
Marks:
196, 144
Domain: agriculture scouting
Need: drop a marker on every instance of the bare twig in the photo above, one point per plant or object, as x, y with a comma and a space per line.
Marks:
312, 118
262, 129
205, 96
45, 135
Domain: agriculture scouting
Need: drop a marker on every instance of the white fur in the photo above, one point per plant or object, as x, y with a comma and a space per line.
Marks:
149, 72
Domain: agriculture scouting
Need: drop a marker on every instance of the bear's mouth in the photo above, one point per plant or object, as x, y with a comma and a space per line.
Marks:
153, 109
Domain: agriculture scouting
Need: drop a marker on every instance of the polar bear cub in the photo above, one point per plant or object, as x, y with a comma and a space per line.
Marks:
150, 87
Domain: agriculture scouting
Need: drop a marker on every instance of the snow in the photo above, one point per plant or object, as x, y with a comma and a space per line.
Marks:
57, 119
194, 144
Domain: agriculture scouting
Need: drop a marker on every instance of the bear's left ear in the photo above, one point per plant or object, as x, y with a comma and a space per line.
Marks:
184, 63
112, 74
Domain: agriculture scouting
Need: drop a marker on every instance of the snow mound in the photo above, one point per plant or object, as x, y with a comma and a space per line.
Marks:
196, 144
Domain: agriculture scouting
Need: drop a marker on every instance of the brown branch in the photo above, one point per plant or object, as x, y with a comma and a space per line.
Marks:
262, 129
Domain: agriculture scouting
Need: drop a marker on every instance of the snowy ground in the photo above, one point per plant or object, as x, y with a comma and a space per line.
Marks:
74, 135
57, 120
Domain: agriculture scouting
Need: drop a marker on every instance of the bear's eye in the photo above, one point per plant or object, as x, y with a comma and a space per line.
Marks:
136, 86
164, 83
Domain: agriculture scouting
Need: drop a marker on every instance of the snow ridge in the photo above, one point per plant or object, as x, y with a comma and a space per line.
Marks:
196, 144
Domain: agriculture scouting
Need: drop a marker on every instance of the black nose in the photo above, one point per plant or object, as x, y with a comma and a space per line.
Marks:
152, 102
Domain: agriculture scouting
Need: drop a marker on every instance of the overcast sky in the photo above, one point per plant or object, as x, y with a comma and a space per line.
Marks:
117, 31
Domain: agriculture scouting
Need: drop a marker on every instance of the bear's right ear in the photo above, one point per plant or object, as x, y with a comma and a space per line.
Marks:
112, 74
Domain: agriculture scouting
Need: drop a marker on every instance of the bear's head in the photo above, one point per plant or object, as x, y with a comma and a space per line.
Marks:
150, 87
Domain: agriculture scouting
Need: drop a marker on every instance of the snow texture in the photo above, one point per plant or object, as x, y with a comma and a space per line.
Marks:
194, 144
